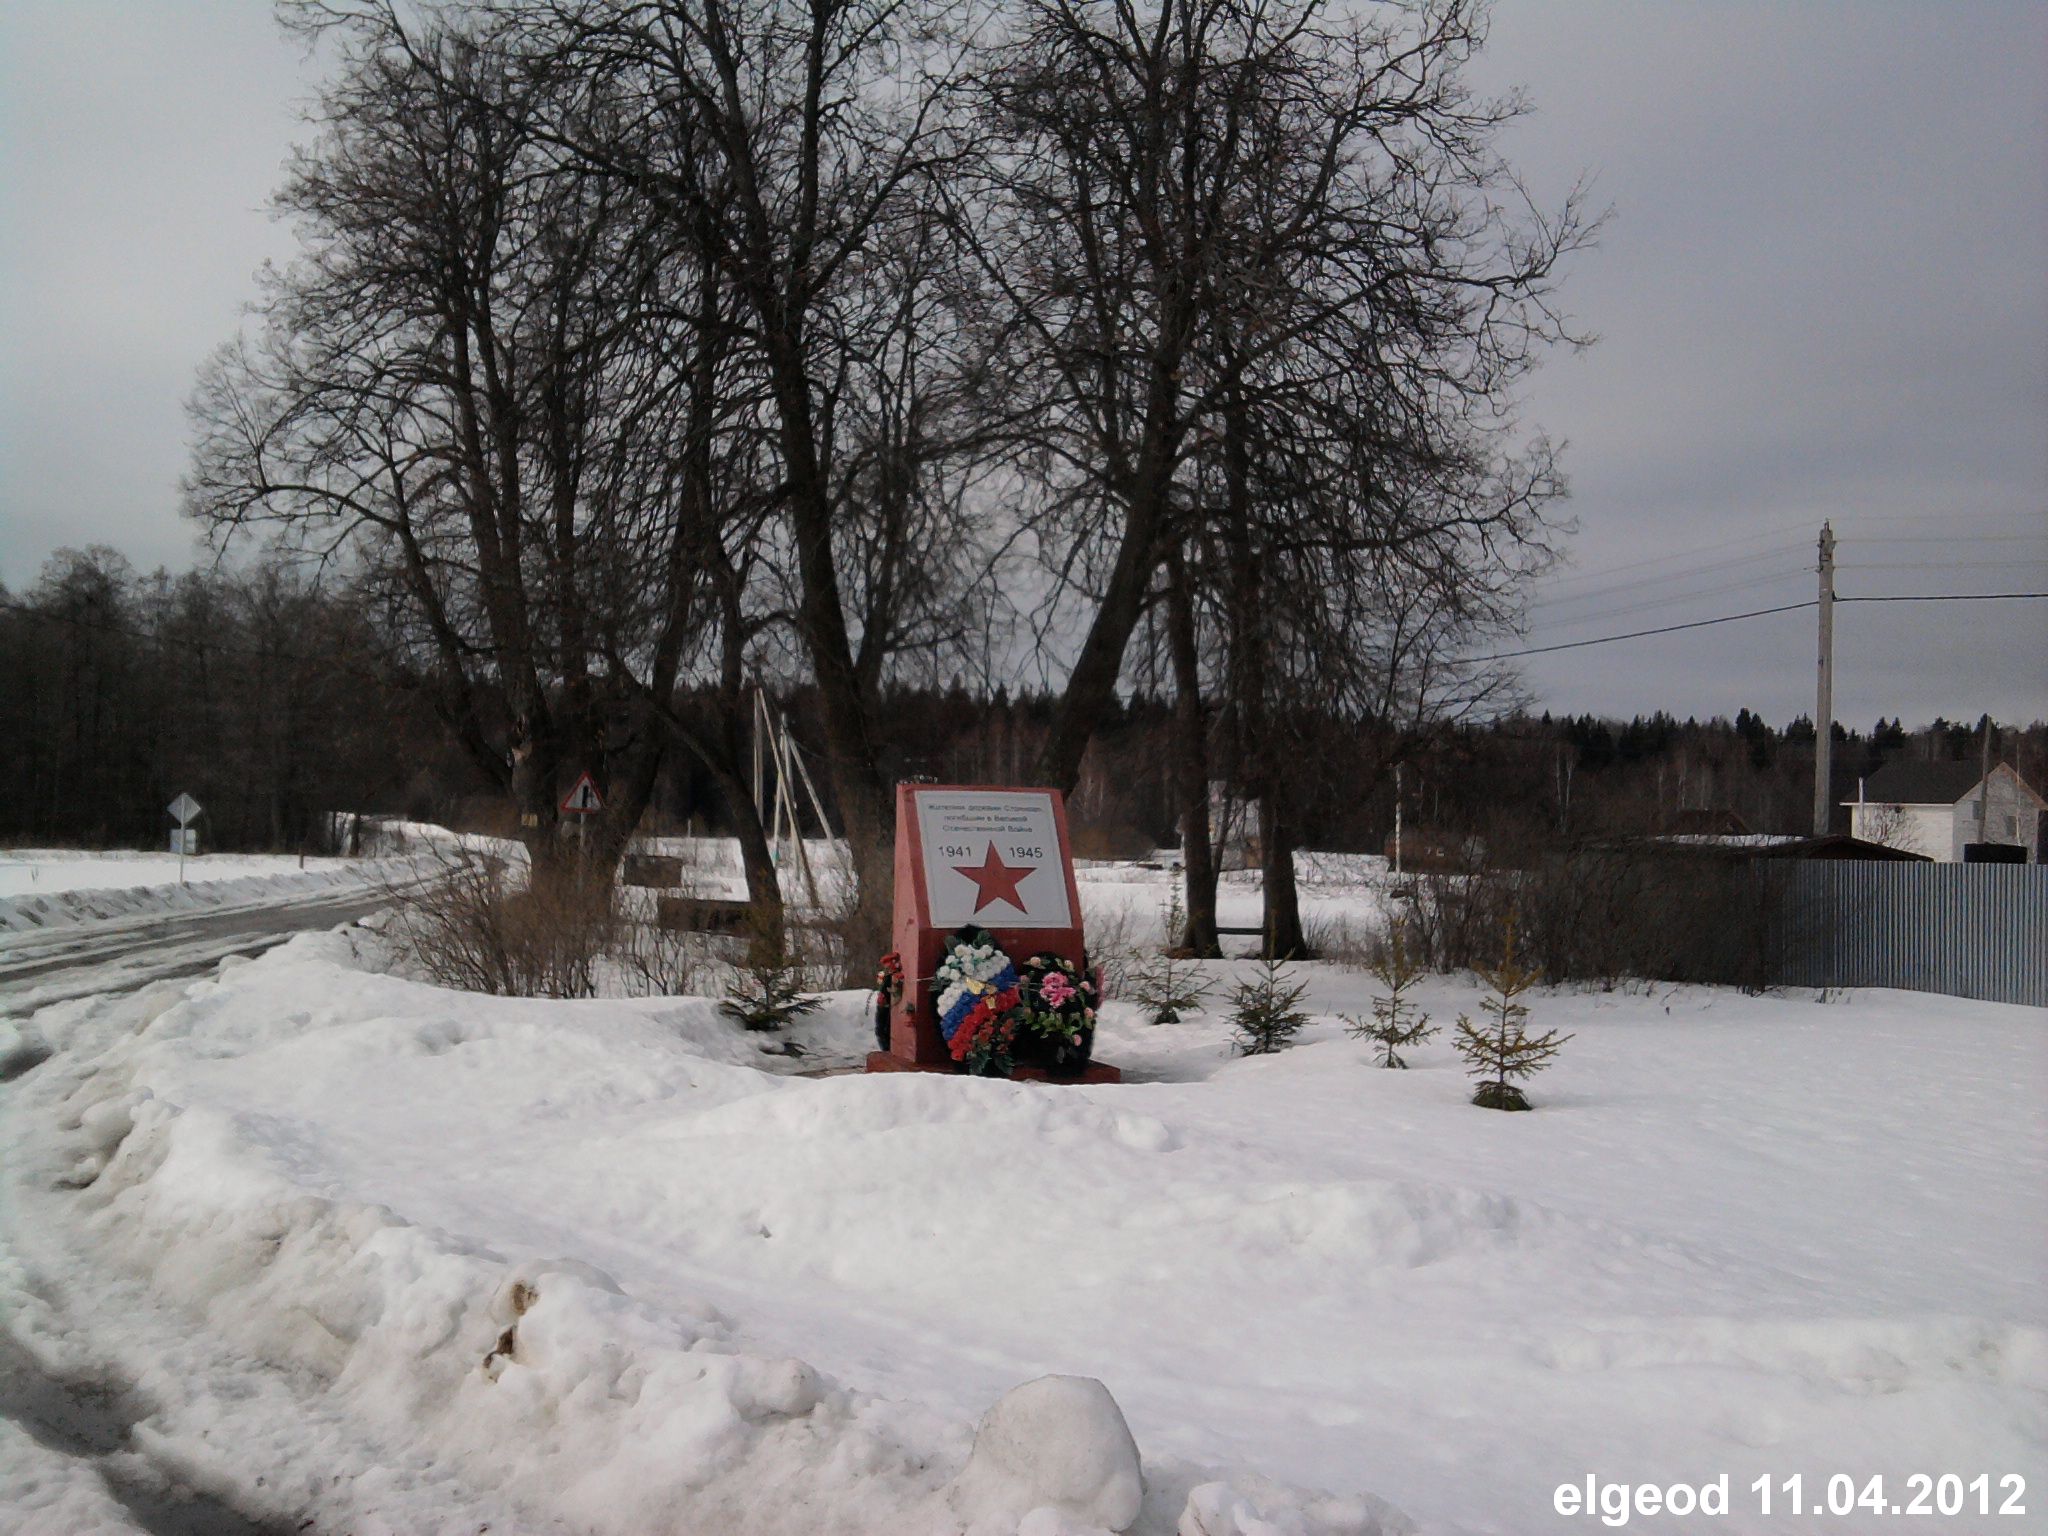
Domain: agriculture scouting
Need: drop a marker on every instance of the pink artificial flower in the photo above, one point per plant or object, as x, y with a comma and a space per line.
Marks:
1056, 989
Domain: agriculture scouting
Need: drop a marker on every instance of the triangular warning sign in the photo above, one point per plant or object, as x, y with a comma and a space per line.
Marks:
583, 798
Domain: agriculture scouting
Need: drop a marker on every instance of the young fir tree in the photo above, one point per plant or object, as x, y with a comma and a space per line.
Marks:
1502, 1048
1267, 1010
766, 990
1169, 984
1396, 1019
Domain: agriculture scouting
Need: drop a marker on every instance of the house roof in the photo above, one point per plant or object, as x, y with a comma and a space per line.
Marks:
1908, 781
1703, 822
1836, 845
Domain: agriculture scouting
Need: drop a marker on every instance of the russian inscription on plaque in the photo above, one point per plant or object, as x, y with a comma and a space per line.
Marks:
967, 857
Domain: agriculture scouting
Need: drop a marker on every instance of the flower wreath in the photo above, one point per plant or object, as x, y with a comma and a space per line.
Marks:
978, 996
1059, 1012
888, 992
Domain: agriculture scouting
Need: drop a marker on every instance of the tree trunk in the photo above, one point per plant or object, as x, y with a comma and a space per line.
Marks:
1281, 928
1191, 768
865, 804
533, 799
764, 888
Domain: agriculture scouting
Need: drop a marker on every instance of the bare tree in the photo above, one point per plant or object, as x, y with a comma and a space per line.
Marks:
794, 147
1279, 288
464, 383
1266, 261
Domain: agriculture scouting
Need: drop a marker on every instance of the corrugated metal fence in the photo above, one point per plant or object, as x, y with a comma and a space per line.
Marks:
1969, 930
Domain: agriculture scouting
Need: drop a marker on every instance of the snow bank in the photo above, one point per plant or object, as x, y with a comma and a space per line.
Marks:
608, 1261
49, 871
41, 891
294, 1152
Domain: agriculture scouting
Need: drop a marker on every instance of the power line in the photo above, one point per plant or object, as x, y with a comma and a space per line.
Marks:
1637, 634
1747, 584
1951, 538
1760, 613
1689, 556
1936, 567
1553, 598
1944, 597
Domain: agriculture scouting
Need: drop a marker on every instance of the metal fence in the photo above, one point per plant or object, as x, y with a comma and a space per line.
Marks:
1969, 930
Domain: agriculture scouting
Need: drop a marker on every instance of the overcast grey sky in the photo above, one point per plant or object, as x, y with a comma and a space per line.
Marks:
1824, 294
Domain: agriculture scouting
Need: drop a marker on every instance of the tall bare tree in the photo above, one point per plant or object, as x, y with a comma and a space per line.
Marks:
1202, 207
795, 146
485, 378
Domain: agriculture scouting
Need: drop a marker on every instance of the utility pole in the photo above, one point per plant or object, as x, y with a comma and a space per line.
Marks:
1984, 784
1824, 705
1397, 818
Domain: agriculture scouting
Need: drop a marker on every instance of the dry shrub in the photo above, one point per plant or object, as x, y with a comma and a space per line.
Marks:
474, 927
1113, 949
1608, 916
1335, 937
655, 961
846, 940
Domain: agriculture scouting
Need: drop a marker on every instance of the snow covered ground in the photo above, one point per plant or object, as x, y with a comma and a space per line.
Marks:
394, 1258
46, 888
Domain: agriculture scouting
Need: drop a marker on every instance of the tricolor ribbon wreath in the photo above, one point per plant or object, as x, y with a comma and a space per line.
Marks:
995, 1015
977, 993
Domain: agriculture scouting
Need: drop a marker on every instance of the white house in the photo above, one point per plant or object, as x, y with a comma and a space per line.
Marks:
1932, 808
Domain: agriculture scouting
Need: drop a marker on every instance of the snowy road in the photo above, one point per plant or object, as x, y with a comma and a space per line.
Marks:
37, 970
72, 1430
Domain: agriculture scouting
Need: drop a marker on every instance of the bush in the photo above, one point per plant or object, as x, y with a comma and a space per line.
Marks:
1605, 915
658, 961
470, 926
1112, 950
1266, 1011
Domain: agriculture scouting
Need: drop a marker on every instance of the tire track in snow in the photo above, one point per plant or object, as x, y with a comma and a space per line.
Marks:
90, 1423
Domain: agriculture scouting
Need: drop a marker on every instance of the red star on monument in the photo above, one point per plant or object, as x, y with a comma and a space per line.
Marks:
995, 881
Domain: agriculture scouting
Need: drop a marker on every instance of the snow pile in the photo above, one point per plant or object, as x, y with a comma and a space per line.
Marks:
43, 891
1054, 1452
509, 1230
612, 1264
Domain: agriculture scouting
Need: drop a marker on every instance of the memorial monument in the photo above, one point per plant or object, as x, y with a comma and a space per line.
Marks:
979, 858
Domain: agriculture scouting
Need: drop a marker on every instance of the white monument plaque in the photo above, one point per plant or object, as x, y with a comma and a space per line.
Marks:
993, 857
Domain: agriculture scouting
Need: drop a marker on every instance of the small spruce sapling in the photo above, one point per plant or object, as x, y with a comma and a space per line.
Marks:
766, 989
1267, 1009
1503, 1048
1169, 984
1396, 1019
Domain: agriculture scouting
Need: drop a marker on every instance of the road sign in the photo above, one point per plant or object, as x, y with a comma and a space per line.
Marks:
183, 809
583, 798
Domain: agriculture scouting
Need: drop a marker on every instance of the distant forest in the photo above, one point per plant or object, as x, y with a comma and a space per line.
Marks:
273, 702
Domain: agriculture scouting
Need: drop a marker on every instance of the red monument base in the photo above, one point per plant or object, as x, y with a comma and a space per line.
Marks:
1094, 1072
